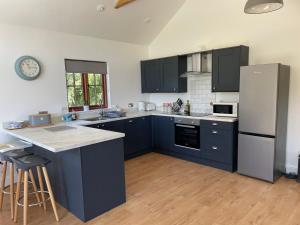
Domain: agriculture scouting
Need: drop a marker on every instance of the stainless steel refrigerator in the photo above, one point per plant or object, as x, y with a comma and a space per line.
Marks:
263, 109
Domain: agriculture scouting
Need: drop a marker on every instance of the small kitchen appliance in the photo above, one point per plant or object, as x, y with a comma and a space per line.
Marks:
225, 109
41, 119
150, 107
141, 106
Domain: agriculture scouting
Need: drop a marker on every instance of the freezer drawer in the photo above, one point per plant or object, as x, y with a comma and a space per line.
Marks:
256, 157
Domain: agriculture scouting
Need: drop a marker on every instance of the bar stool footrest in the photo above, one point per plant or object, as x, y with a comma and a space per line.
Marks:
36, 203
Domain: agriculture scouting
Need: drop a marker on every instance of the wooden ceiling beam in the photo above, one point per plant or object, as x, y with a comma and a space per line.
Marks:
121, 3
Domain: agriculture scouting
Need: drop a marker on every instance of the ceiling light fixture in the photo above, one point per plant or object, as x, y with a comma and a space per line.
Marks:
101, 8
147, 20
262, 6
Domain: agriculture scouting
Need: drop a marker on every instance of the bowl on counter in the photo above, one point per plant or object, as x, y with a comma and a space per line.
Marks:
13, 125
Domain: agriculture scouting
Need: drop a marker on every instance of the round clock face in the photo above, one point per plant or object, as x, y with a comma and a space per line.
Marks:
28, 68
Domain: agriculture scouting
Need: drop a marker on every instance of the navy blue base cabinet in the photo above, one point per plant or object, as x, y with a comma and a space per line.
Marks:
163, 133
88, 181
138, 134
219, 143
218, 140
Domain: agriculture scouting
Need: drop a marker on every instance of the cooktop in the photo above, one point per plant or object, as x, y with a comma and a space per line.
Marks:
192, 114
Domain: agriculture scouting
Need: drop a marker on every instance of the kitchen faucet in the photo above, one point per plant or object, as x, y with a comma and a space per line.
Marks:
101, 109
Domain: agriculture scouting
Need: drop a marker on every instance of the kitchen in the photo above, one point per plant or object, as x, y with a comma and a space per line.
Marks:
158, 131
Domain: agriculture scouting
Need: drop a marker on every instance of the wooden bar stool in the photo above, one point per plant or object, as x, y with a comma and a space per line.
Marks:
25, 165
6, 158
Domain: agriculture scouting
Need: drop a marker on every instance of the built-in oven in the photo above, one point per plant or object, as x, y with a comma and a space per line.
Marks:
187, 133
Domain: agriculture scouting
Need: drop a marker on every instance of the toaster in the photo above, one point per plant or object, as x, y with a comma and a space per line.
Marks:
150, 107
39, 120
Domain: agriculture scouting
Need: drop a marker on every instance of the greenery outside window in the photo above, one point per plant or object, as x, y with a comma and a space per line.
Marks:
86, 89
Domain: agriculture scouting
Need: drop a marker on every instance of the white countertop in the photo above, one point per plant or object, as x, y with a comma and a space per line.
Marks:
15, 144
64, 140
83, 136
158, 113
210, 117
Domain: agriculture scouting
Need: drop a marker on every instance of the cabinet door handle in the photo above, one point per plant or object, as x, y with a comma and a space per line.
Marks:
215, 124
130, 121
215, 132
214, 148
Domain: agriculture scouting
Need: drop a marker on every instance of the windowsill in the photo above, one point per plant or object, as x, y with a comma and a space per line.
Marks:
88, 111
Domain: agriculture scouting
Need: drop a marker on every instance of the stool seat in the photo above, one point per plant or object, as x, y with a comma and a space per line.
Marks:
30, 161
25, 166
7, 156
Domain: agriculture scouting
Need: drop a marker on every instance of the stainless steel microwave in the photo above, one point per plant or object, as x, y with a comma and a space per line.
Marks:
225, 109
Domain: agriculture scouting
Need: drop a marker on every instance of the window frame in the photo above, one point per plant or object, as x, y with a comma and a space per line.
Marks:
86, 94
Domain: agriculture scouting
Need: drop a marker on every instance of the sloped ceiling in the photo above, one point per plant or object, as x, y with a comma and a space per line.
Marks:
81, 17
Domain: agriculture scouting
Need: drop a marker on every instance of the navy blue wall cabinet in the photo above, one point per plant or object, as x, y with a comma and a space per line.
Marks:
219, 142
163, 133
226, 68
151, 76
163, 75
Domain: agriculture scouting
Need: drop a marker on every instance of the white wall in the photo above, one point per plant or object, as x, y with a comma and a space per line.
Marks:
273, 37
18, 98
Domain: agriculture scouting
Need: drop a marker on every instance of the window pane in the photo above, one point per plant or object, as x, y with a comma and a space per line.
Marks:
70, 79
79, 100
98, 79
78, 80
91, 79
71, 100
99, 94
93, 97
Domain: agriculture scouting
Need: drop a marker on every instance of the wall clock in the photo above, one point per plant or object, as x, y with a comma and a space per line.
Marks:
28, 68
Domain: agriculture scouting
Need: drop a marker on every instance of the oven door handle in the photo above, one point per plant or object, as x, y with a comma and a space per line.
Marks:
185, 126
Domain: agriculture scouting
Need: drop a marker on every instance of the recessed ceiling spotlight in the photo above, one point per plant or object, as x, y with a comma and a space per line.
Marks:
101, 8
147, 20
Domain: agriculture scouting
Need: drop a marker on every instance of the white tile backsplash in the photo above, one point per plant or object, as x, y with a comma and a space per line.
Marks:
200, 95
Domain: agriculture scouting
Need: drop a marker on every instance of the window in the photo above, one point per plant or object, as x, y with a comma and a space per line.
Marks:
86, 89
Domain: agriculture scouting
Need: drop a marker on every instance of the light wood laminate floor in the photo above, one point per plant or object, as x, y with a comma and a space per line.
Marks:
163, 190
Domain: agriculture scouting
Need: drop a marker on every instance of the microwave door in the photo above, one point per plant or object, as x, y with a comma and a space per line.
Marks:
223, 109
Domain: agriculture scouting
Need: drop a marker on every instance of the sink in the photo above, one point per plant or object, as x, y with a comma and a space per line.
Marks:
60, 128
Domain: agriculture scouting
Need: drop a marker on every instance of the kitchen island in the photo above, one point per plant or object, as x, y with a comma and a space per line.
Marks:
86, 169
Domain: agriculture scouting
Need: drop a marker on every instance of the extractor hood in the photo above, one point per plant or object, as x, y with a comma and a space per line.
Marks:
198, 64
